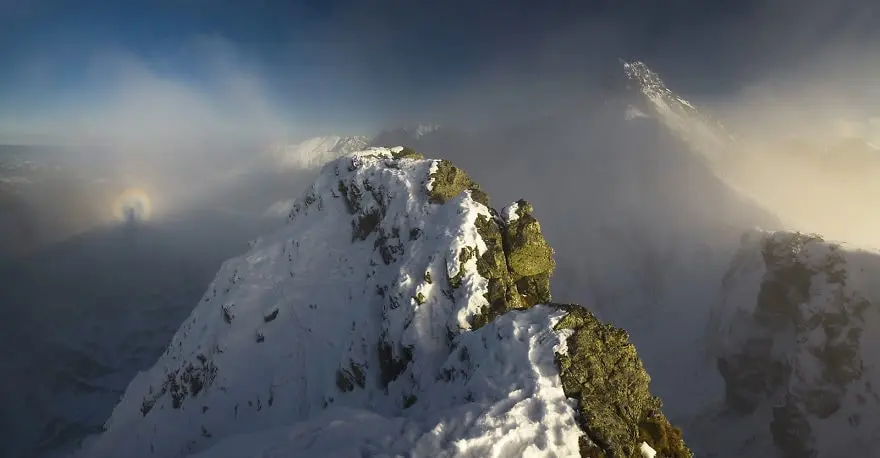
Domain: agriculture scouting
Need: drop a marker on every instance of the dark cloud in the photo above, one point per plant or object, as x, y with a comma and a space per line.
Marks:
473, 60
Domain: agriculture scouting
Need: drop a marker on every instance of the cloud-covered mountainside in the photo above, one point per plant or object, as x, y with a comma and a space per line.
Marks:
795, 338
793, 325
395, 314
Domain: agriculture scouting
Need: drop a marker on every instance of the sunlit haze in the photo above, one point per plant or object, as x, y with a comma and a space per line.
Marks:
154, 82
150, 147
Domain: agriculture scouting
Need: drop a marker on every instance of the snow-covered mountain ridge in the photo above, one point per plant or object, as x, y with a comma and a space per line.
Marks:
396, 314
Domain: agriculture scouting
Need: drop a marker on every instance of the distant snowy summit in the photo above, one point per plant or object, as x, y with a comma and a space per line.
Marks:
696, 128
856, 140
395, 314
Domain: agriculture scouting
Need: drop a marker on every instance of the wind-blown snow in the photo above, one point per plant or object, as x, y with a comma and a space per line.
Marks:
632, 112
339, 335
424, 129
313, 153
279, 209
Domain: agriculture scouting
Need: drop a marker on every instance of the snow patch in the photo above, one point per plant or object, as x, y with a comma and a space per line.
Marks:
431, 171
509, 213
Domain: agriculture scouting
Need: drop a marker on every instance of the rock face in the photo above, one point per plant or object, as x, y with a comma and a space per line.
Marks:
796, 339
397, 314
617, 412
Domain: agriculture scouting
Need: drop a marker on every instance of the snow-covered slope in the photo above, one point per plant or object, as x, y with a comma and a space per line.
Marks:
395, 314
796, 338
315, 152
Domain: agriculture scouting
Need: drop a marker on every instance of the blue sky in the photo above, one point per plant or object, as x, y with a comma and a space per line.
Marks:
65, 59
315, 64
273, 68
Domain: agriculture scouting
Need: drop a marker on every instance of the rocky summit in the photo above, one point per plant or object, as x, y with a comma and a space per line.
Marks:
395, 314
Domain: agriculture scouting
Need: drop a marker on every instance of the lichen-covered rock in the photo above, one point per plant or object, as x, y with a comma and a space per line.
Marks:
406, 153
794, 339
529, 254
448, 181
502, 294
616, 409
517, 262
529, 257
